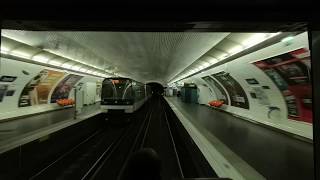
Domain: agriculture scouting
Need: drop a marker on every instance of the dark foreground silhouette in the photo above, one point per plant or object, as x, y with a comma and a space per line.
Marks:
142, 165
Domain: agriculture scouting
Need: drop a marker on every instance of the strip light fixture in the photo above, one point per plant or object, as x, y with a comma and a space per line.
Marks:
67, 63
55, 63
40, 58
253, 40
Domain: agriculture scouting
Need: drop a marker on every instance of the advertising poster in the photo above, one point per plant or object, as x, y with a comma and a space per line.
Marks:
38, 89
216, 87
291, 74
63, 89
237, 95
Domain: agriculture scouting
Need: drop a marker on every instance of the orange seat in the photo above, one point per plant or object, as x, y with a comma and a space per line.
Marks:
65, 102
216, 103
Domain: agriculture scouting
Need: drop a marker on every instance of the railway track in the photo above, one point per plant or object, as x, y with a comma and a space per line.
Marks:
106, 153
80, 161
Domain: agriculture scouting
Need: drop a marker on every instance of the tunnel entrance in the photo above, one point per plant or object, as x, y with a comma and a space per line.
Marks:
156, 88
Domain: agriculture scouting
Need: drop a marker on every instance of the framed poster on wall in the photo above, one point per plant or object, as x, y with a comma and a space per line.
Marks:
291, 74
216, 87
63, 89
237, 95
38, 89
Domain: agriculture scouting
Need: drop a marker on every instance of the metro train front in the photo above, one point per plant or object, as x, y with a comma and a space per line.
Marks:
123, 95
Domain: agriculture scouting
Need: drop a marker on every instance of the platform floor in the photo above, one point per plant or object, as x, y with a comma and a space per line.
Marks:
23, 130
272, 154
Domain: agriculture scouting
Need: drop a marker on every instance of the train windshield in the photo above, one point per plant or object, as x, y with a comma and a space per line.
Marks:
117, 89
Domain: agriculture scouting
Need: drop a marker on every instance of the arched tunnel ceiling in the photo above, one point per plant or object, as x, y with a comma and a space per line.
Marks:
144, 56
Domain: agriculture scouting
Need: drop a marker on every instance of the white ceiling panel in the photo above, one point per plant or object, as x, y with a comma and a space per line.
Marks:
144, 56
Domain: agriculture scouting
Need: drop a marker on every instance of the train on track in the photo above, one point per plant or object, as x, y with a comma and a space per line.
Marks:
123, 95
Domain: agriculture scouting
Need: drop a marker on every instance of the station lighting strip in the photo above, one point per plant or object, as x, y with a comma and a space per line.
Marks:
65, 65
246, 44
68, 64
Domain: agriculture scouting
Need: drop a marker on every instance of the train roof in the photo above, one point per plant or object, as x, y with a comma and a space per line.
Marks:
122, 78
118, 78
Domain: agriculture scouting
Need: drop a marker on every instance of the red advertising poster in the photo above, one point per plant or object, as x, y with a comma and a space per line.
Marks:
38, 89
64, 87
291, 74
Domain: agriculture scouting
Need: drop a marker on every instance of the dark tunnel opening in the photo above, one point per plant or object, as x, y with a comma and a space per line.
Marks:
156, 88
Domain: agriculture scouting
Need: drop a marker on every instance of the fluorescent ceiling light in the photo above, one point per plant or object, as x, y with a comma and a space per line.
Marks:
55, 63
235, 49
272, 34
40, 58
76, 67
44, 58
213, 60
89, 72
20, 54
206, 64
254, 39
286, 39
83, 69
60, 54
67, 65
223, 56
4, 50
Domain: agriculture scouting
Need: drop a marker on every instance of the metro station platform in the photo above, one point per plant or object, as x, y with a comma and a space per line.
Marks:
22, 130
241, 149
